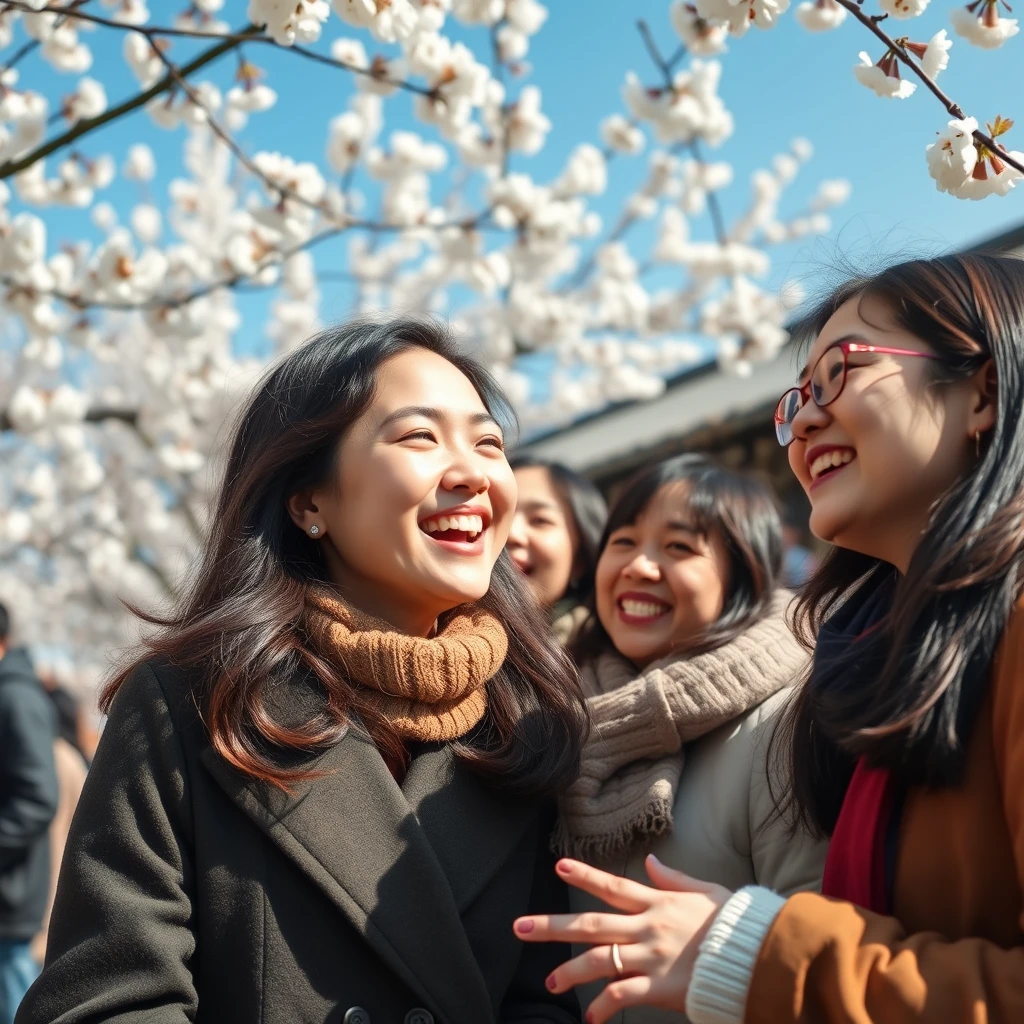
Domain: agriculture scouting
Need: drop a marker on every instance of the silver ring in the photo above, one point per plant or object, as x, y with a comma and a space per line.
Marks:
617, 961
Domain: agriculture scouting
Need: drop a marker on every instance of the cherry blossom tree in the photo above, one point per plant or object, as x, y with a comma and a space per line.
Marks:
120, 361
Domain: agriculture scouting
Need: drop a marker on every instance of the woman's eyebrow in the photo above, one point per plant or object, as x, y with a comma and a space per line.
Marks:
435, 414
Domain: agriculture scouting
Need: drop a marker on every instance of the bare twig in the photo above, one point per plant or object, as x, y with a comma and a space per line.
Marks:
714, 207
655, 54
954, 109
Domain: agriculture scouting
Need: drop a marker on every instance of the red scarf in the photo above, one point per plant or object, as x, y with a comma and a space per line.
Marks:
855, 867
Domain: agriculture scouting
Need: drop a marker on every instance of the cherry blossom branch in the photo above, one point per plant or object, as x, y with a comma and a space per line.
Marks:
666, 67
97, 415
33, 44
90, 124
240, 155
244, 36
954, 109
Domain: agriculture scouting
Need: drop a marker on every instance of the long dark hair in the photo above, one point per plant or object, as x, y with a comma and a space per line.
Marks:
737, 508
934, 645
589, 511
240, 621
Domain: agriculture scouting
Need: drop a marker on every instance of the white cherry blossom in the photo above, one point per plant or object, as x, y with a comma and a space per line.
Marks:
951, 160
701, 37
820, 15
884, 77
982, 23
903, 8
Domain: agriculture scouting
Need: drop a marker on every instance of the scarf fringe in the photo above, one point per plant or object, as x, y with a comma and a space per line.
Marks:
654, 821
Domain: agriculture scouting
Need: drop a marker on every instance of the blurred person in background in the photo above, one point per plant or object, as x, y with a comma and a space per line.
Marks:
554, 539
72, 766
798, 561
28, 802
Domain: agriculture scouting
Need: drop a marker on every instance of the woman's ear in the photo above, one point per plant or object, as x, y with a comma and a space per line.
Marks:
985, 391
305, 514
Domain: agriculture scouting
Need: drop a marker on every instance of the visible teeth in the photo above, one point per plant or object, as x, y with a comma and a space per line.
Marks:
471, 525
642, 609
830, 460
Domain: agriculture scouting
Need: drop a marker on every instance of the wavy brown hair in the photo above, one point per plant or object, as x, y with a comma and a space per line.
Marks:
935, 644
239, 624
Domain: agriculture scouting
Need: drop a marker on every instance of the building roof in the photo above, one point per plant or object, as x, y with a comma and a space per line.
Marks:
700, 397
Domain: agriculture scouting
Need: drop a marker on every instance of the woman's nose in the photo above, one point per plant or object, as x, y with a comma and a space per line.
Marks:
809, 418
465, 475
642, 567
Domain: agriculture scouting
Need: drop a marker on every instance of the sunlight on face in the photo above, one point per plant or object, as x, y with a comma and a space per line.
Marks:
875, 460
543, 540
423, 498
660, 581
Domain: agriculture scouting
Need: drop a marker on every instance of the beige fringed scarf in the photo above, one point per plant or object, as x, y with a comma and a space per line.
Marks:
633, 760
430, 689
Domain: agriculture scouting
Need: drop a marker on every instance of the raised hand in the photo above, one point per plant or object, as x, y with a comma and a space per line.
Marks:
648, 949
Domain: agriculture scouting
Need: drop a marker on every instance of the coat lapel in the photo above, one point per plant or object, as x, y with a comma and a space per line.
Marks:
353, 832
471, 828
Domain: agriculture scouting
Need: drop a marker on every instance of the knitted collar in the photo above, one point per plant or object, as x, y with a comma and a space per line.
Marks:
633, 760
430, 689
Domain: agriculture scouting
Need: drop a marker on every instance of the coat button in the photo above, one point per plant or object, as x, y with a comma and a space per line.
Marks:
356, 1015
419, 1016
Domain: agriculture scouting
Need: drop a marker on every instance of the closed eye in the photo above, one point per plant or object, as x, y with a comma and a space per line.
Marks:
678, 545
419, 435
619, 542
494, 442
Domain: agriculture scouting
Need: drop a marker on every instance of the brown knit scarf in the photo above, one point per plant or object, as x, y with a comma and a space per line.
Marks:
642, 719
429, 689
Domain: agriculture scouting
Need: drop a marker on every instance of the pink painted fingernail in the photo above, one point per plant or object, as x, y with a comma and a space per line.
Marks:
563, 867
589, 1017
551, 983
524, 927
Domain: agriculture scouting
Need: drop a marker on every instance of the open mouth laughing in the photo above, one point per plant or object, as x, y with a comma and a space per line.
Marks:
458, 529
639, 609
825, 461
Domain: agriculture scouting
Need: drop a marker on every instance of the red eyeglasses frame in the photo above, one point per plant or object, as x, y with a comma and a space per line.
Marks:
804, 390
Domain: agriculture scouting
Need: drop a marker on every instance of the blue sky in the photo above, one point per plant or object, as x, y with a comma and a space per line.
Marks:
779, 84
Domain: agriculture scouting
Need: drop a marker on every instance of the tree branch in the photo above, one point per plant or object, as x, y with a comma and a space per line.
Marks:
655, 53
714, 207
954, 109
90, 124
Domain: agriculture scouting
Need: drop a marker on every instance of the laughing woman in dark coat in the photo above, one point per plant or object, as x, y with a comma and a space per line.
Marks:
324, 790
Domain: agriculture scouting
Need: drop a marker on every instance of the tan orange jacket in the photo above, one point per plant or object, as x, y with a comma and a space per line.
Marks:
954, 950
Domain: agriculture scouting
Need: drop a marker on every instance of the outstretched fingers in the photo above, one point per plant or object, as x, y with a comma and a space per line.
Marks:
618, 996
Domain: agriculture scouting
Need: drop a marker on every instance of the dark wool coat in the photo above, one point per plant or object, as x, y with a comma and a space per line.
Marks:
192, 892
28, 797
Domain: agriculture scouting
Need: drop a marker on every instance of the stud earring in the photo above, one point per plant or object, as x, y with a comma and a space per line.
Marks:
314, 530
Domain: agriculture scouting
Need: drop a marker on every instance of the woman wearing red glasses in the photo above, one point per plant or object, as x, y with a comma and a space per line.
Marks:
907, 742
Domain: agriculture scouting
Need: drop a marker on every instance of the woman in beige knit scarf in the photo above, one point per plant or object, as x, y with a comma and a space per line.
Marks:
687, 664
327, 785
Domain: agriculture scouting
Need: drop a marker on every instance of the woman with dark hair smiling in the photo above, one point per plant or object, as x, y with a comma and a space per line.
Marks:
554, 538
687, 668
326, 785
906, 744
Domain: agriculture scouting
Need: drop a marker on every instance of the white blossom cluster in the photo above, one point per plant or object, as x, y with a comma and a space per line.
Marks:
120, 354
963, 166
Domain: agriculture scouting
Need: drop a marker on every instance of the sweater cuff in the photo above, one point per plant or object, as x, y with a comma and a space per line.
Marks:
728, 954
